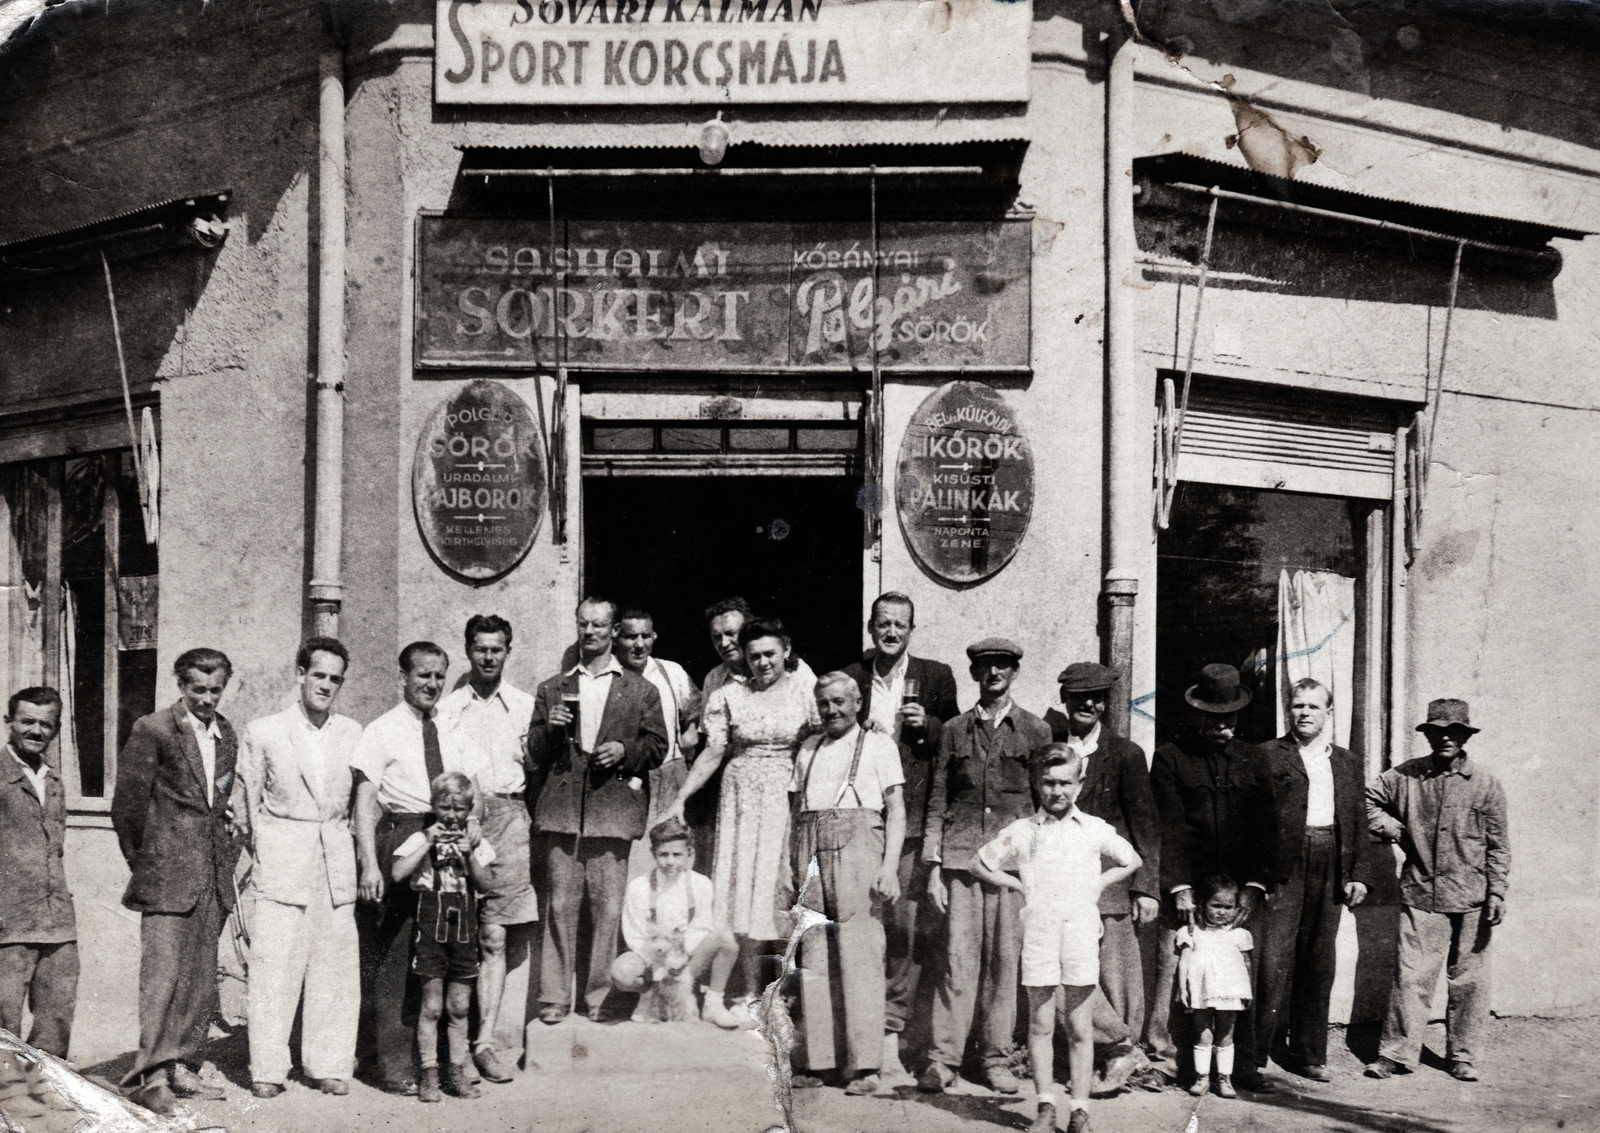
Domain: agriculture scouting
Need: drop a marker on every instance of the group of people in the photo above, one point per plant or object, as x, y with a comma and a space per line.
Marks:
924, 858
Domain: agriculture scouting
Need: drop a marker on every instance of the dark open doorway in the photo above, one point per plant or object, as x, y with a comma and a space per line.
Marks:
673, 545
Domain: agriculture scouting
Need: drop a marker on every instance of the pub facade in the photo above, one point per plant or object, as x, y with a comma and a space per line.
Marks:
1154, 350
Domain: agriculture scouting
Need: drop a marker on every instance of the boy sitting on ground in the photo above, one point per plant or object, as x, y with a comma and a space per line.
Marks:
1058, 852
671, 937
446, 863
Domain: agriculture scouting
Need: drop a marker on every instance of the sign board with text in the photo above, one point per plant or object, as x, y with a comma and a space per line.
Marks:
493, 292
730, 52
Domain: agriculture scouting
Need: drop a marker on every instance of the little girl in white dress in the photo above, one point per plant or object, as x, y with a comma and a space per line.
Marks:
1214, 980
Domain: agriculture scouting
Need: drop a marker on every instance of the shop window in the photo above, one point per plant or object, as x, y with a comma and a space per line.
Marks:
631, 439
679, 439
81, 586
758, 440
776, 437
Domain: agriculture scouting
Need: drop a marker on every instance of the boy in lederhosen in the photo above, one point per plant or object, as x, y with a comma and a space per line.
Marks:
446, 864
850, 821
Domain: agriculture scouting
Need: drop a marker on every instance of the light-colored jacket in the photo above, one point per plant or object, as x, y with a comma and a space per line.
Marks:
299, 801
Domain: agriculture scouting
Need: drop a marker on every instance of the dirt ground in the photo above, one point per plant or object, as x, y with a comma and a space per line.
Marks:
590, 1078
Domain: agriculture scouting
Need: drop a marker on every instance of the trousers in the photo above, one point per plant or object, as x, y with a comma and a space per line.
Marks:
177, 985
389, 996
983, 970
842, 981
911, 938
46, 976
1121, 971
1428, 940
1295, 954
597, 870
310, 951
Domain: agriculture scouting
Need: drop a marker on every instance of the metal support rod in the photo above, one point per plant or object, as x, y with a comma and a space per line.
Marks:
1169, 484
767, 171
555, 488
1127, 441
1351, 218
1437, 392
127, 395
1399, 607
875, 452
326, 588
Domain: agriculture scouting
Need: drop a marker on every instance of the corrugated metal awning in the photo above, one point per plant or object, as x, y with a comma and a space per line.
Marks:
193, 221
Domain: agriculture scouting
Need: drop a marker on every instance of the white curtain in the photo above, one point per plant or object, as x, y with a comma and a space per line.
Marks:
68, 670
1317, 638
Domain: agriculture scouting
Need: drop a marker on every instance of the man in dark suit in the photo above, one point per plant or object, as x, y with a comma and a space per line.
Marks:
1216, 818
174, 812
1321, 862
1116, 788
590, 772
908, 698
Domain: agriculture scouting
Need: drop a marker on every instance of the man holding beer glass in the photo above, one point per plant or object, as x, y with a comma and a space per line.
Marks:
597, 733
909, 698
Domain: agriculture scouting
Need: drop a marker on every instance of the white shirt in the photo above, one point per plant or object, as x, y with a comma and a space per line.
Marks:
886, 694
1317, 756
1086, 746
995, 713
34, 777
593, 688
823, 769
389, 754
1059, 862
674, 900
207, 735
495, 727
677, 695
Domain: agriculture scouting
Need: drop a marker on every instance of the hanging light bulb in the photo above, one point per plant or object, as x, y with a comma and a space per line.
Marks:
713, 141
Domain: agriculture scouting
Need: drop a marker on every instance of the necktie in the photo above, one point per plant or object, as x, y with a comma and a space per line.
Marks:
431, 755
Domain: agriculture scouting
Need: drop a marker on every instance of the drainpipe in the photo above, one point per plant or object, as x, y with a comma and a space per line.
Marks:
326, 589
1127, 448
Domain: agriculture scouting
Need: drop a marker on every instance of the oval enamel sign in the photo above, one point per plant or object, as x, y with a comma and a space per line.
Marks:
965, 485
478, 481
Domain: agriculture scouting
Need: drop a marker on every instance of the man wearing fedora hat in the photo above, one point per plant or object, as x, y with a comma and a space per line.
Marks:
1448, 815
981, 784
1216, 818
1116, 788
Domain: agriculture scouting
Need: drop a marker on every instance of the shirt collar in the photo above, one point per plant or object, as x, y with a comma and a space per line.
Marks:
1000, 710
896, 671
1462, 766
44, 764
1042, 817
1089, 743
200, 729
612, 666
850, 735
305, 721
498, 695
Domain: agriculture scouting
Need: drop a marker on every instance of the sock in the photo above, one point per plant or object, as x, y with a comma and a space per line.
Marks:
456, 1037
1202, 1061
429, 1063
1078, 1103
1225, 1060
1047, 1099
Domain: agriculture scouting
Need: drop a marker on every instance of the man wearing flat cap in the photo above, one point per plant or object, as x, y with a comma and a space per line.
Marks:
981, 784
1116, 788
1448, 814
1216, 818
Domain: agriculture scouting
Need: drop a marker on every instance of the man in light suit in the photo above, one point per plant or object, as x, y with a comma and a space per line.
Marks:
1321, 855
295, 766
174, 812
909, 699
593, 795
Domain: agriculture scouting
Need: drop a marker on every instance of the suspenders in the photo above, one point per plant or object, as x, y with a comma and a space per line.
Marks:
848, 785
655, 887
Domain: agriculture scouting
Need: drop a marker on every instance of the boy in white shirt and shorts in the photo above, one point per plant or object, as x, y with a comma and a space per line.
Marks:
1058, 852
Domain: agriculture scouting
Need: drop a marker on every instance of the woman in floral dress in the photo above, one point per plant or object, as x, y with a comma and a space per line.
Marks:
756, 727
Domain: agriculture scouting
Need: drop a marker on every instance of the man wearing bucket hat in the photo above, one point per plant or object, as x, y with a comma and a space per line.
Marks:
1116, 788
1448, 815
981, 784
1216, 818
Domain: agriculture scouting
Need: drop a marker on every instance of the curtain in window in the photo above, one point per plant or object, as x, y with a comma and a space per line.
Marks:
1316, 638
22, 575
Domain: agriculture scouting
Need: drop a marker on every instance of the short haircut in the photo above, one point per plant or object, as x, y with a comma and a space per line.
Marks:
452, 785
1213, 884
734, 605
1058, 755
672, 830
633, 614
838, 677
1306, 684
409, 655
203, 661
487, 623
42, 695
314, 645
893, 598
592, 600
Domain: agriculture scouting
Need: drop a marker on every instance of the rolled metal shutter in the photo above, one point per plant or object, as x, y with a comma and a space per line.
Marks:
1256, 435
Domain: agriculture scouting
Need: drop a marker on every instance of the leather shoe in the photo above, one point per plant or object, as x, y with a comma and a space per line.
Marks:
489, 1065
936, 1078
1463, 1072
1384, 1067
1316, 1071
596, 1014
187, 1084
1079, 1121
265, 1089
552, 1013
338, 1087
157, 1097
405, 1088
1002, 1081
1256, 1083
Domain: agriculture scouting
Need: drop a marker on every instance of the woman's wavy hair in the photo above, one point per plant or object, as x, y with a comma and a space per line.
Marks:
757, 628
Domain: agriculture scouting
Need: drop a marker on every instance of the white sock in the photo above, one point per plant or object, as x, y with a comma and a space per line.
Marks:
1047, 1099
1202, 1061
1225, 1060
1078, 1103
